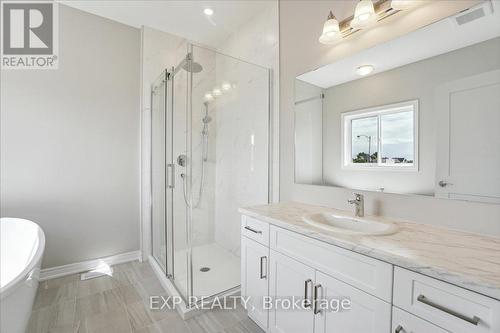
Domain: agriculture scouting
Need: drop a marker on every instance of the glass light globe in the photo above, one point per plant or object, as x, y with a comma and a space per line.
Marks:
364, 15
331, 30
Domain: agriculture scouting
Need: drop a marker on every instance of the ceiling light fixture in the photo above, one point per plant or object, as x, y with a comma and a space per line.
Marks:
226, 86
365, 70
364, 15
402, 4
208, 11
331, 30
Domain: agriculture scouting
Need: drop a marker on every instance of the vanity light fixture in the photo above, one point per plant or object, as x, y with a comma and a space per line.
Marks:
364, 15
365, 69
331, 30
402, 4
208, 11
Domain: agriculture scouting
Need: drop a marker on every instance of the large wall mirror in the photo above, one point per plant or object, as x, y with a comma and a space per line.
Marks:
419, 114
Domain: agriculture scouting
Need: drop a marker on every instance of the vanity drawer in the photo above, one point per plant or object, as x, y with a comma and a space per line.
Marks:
450, 307
404, 322
255, 229
370, 275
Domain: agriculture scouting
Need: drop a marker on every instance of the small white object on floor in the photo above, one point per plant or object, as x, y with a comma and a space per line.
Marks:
102, 270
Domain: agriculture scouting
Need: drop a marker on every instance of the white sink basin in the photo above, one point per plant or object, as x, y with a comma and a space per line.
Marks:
349, 225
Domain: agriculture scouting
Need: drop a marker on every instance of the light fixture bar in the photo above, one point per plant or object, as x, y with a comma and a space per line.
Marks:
383, 10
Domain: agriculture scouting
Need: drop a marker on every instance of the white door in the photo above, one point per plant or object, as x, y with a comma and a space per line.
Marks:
404, 322
366, 313
290, 279
254, 279
468, 155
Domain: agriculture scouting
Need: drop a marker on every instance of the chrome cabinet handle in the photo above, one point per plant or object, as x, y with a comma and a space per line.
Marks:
398, 329
307, 302
474, 320
262, 276
253, 230
315, 299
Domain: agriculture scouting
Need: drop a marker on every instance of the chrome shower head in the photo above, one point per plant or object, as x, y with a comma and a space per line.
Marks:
194, 68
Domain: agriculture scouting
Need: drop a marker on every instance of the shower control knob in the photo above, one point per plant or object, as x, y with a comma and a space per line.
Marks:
181, 160
444, 183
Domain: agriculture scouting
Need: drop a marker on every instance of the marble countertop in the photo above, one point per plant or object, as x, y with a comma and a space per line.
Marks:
467, 260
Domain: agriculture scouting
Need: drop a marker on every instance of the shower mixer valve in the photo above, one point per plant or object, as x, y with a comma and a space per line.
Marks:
181, 160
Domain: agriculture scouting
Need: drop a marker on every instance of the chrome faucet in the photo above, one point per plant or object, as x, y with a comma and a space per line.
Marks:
359, 204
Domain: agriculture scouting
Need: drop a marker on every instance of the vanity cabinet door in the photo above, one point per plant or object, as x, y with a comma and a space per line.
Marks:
404, 322
290, 279
366, 314
254, 279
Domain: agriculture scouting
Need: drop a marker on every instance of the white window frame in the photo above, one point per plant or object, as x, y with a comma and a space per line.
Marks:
346, 143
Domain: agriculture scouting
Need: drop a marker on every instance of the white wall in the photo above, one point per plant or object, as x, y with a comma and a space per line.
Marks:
300, 52
70, 142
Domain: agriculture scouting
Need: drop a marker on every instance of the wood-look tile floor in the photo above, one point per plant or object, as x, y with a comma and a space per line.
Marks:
120, 304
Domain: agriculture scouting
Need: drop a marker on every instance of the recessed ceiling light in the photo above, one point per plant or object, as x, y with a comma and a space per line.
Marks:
365, 70
208, 11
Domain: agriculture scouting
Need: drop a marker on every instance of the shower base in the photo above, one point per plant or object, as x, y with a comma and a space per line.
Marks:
223, 270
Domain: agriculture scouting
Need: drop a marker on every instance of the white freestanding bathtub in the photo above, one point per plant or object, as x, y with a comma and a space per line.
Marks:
22, 244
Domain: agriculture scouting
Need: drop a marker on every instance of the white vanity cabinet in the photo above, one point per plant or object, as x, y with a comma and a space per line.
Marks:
383, 298
254, 279
288, 279
453, 308
366, 314
404, 322
304, 269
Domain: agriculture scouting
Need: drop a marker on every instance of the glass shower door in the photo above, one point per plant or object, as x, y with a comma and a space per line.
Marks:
169, 176
210, 148
179, 240
161, 162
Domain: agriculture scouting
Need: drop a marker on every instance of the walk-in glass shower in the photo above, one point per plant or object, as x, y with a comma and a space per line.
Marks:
210, 155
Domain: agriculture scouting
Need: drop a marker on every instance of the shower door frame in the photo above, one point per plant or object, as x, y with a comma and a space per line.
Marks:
168, 87
168, 77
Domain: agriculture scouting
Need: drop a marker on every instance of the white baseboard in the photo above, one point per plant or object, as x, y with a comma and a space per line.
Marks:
83, 266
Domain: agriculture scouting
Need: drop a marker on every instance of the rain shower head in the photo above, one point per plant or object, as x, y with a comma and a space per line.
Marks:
194, 67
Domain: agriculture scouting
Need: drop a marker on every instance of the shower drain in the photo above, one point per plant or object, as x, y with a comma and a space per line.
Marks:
204, 269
